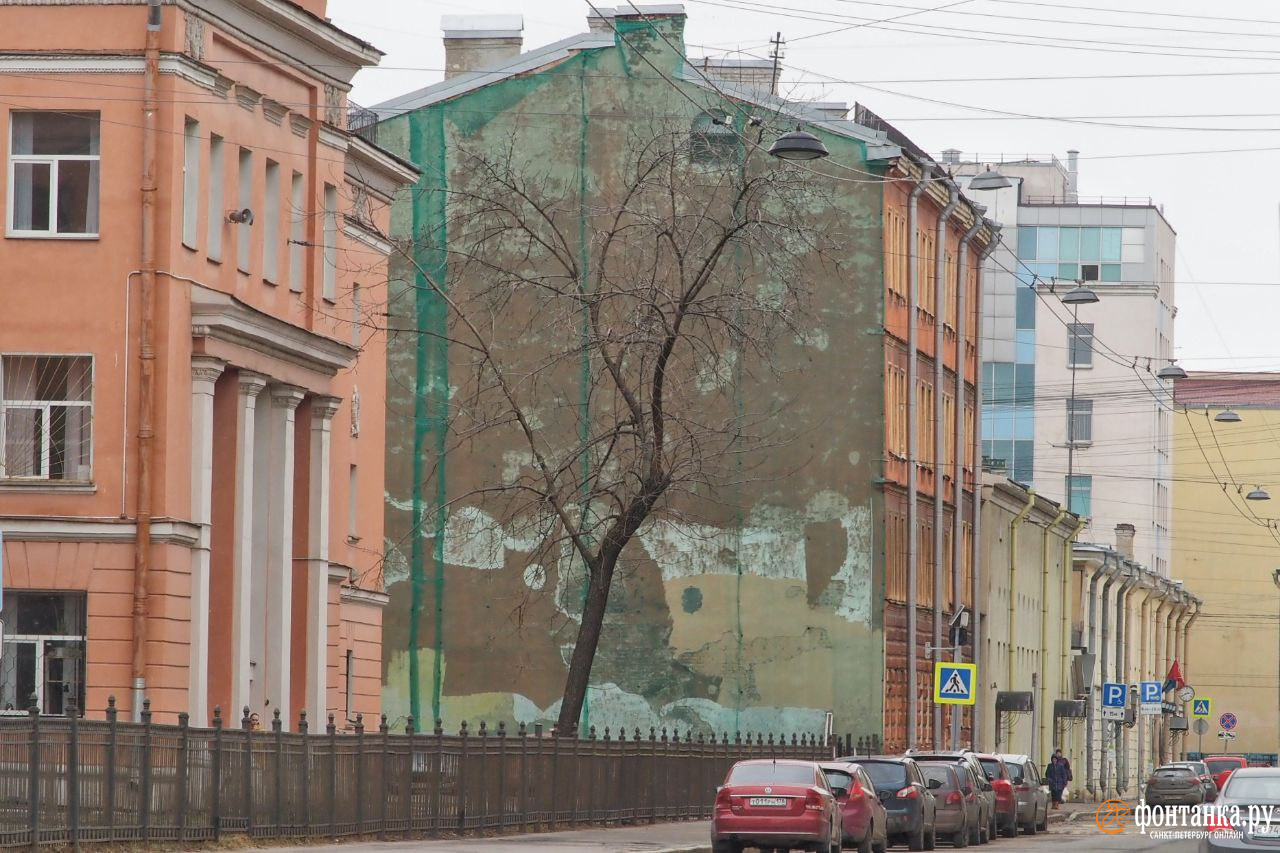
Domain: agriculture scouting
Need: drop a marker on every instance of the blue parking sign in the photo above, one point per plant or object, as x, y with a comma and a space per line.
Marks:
1114, 695
1150, 691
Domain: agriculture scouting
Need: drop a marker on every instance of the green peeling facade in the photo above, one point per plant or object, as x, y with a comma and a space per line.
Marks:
759, 613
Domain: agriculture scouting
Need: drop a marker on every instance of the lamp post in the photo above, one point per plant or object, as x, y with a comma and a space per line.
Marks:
1275, 578
1075, 297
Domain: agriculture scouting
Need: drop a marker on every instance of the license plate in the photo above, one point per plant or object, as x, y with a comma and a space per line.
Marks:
1267, 830
768, 801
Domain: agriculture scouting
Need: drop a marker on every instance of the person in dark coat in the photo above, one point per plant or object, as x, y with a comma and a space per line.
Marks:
1058, 774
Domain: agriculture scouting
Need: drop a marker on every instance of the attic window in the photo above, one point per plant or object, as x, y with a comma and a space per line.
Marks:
712, 140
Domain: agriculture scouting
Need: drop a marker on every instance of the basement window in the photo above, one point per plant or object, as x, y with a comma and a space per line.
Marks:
53, 174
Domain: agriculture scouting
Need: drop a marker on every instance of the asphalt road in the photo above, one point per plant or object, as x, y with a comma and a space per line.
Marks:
1087, 839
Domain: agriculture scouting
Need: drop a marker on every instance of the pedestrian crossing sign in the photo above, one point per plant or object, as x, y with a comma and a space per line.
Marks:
953, 683
1201, 707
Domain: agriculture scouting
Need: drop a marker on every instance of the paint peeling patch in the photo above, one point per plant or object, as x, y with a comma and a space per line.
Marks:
474, 539
716, 372
513, 461
535, 577
395, 566
854, 458
691, 599
816, 338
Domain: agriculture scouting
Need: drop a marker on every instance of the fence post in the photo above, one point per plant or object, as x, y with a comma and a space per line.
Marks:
482, 791
216, 805
277, 729
33, 771
73, 774
184, 769
144, 795
332, 731
438, 819
554, 799
112, 739
246, 724
502, 775
382, 801
523, 733
407, 791
462, 778
359, 774
304, 783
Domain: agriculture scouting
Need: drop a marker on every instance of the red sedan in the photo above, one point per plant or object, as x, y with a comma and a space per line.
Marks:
1006, 800
862, 813
775, 804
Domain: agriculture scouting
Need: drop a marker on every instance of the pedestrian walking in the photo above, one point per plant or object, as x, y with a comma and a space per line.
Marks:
1058, 775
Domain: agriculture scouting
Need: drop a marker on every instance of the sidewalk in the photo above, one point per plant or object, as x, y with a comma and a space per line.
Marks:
685, 837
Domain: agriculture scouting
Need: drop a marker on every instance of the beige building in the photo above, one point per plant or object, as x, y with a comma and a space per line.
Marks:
1227, 546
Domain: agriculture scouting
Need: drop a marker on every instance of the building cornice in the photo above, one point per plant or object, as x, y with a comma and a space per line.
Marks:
107, 63
380, 171
361, 234
365, 596
222, 317
18, 528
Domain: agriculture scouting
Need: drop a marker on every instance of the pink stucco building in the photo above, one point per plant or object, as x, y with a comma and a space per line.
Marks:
192, 363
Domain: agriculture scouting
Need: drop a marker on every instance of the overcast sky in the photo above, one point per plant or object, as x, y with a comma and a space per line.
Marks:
1134, 132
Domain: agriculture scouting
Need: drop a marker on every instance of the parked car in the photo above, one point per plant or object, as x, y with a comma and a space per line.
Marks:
1006, 802
775, 803
957, 801
1205, 775
908, 802
1246, 787
863, 817
1221, 766
986, 829
1174, 785
1031, 793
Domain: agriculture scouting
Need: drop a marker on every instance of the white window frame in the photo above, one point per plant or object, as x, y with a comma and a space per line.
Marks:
244, 231
191, 183
52, 160
271, 224
297, 234
1072, 337
1079, 409
217, 180
330, 292
46, 409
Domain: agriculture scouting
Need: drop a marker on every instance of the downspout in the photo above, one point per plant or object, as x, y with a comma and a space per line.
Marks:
1122, 672
1012, 628
957, 477
1090, 779
1170, 650
1104, 642
976, 544
913, 448
1180, 644
940, 439
146, 358
1144, 648
1068, 570
1186, 650
1039, 708
1157, 632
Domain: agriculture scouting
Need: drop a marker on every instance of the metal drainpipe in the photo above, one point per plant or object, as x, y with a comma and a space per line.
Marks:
1012, 632
146, 357
1104, 642
913, 449
1186, 651
1180, 639
1143, 657
1157, 658
1090, 779
957, 539
1068, 570
1040, 707
1122, 671
978, 599
1171, 619
940, 436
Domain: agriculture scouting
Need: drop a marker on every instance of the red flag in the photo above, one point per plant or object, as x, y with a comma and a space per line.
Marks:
1173, 681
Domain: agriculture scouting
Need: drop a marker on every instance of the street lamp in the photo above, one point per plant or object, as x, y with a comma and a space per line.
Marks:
798, 145
1258, 494
1227, 416
1079, 295
1171, 371
989, 180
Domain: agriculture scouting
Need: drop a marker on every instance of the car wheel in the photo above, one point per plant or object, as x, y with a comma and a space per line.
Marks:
1043, 825
931, 839
864, 846
725, 847
1010, 829
915, 840
1029, 828
961, 838
975, 835
993, 828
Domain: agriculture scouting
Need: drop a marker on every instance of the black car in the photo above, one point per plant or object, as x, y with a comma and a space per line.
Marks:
908, 801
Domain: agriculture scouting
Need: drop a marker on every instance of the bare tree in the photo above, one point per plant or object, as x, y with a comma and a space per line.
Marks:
586, 318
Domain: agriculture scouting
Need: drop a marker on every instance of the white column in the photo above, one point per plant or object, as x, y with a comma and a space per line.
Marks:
204, 374
317, 696
251, 384
275, 667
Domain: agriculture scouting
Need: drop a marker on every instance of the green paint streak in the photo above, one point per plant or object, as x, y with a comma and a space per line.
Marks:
431, 393
584, 400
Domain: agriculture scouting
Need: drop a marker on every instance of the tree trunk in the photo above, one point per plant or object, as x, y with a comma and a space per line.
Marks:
584, 650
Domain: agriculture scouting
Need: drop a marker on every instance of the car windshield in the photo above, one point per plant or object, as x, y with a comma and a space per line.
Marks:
1015, 773
992, 768
1216, 767
884, 773
777, 774
933, 772
1257, 788
839, 779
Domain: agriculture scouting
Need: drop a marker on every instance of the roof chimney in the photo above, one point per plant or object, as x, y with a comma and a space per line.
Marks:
831, 110
1073, 176
753, 75
480, 42
1124, 539
600, 19
951, 156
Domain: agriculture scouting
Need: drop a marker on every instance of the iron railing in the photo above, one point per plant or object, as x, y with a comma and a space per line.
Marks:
72, 780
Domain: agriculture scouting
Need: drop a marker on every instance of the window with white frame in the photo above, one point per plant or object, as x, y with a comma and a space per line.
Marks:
190, 182
297, 234
1079, 421
46, 414
53, 174
1079, 345
330, 242
244, 248
44, 652
215, 212
271, 225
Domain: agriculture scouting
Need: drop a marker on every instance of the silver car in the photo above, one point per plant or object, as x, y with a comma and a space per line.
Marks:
1032, 794
1248, 786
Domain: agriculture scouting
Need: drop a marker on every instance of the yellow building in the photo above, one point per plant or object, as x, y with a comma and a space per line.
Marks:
1226, 546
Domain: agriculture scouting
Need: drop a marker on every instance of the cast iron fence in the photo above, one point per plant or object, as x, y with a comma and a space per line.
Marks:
71, 780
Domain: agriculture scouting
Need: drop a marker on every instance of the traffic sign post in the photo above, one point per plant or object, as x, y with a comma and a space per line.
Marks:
1201, 726
1114, 698
1149, 694
953, 683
